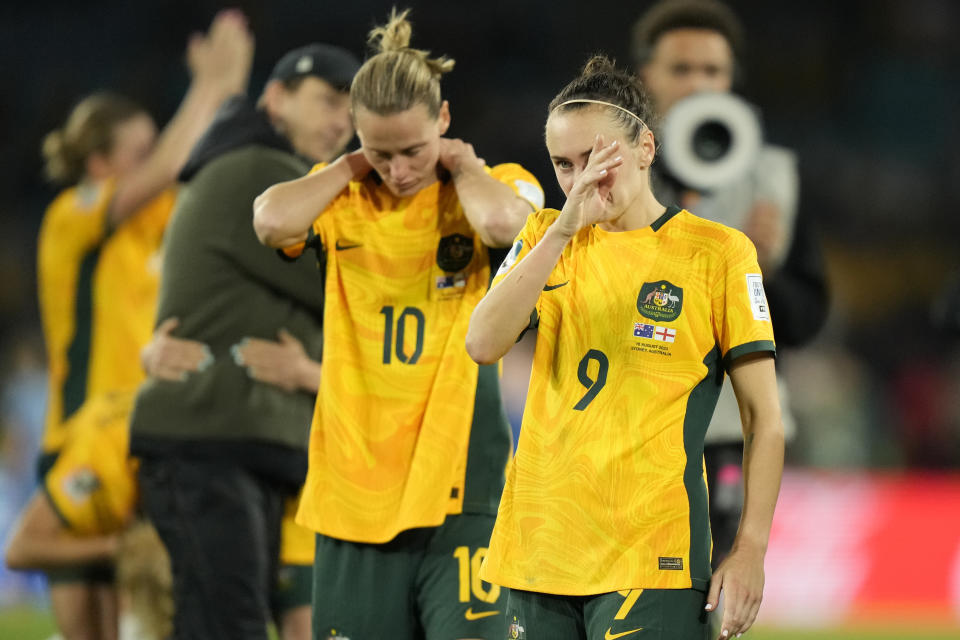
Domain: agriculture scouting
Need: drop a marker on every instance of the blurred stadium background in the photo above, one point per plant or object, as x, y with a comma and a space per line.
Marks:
866, 541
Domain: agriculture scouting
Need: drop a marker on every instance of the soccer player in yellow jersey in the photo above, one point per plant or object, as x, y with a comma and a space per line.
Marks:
603, 530
98, 254
409, 439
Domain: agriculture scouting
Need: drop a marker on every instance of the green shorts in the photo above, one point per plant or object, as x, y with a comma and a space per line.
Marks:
423, 584
293, 589
639, 614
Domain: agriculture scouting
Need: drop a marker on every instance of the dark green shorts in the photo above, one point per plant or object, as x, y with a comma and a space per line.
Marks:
424, 584
655, 614
95, 573
293, 589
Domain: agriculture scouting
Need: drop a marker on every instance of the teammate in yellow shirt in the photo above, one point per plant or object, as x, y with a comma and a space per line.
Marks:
98, 256
603, 530
409, 439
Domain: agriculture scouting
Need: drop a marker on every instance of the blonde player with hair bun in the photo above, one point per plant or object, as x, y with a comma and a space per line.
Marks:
603, 530
409, 439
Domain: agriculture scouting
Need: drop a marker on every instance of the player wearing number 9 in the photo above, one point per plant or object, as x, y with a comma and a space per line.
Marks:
409, 440
603, 529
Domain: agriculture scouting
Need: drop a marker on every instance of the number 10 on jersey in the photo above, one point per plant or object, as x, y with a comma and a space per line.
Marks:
395, 347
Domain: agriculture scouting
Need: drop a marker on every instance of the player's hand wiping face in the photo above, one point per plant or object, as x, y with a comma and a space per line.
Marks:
589, 200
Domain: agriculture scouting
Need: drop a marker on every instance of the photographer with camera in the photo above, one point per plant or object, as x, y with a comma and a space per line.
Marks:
715, 164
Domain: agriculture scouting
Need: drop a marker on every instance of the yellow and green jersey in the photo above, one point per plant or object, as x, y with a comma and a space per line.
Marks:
92, 485
607, 489
98, 293
392, 426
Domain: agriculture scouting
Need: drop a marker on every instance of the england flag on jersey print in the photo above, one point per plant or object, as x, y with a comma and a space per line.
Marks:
665, 335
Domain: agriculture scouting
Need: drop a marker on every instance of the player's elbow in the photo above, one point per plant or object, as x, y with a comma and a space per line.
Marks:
480, 348
498, 232
502, 224
268, 219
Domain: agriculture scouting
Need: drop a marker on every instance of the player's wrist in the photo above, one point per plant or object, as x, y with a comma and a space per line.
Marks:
753, 544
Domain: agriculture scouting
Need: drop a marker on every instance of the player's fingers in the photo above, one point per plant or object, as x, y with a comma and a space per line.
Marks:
713, 595
170, 373
735, 611
750, 618
236, 352
206, 360
602, 153
167, 326
609, 163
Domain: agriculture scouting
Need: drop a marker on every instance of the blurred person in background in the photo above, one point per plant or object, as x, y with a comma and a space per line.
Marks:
98, 267
221, 425
82, 513
409, 439
680, 48
603, 527
23, 390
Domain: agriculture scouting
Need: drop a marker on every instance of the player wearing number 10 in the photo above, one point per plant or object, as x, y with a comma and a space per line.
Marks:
603, 529
409, 439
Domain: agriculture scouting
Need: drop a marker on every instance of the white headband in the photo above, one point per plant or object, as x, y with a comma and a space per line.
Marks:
606, 104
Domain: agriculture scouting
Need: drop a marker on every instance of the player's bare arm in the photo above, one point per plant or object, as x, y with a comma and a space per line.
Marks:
741, 575
284, 213
219, 62
504, 312
40, 541
493, 209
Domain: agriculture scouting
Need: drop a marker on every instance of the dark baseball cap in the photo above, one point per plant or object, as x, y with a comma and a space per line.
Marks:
327, 62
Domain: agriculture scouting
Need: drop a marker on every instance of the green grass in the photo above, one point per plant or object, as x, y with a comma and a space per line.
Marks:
26, 623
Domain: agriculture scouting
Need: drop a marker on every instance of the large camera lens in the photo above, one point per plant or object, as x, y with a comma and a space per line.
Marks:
711, 140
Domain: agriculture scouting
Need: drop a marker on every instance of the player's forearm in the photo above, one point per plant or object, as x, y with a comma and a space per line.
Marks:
284, 213
39, 552
505, 310
763, 469
310, 375
495, 212
173, 146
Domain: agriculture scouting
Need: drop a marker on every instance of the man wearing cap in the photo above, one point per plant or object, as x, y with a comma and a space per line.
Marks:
223, 446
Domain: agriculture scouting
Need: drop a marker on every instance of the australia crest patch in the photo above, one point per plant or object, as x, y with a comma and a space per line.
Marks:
454, 252
660, 300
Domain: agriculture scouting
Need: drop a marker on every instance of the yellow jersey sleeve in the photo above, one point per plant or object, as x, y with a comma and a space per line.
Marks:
741, 314
92, 485
523, 183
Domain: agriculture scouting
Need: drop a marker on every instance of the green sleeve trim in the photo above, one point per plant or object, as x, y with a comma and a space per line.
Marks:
748, 347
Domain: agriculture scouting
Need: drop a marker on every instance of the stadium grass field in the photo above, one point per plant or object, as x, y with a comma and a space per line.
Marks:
36, 624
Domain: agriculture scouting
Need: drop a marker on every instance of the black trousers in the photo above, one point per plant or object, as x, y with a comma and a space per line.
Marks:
221, 526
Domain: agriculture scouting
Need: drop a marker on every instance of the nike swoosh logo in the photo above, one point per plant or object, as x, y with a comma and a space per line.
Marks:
551, 287
470, 615
344, 247
614, 636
